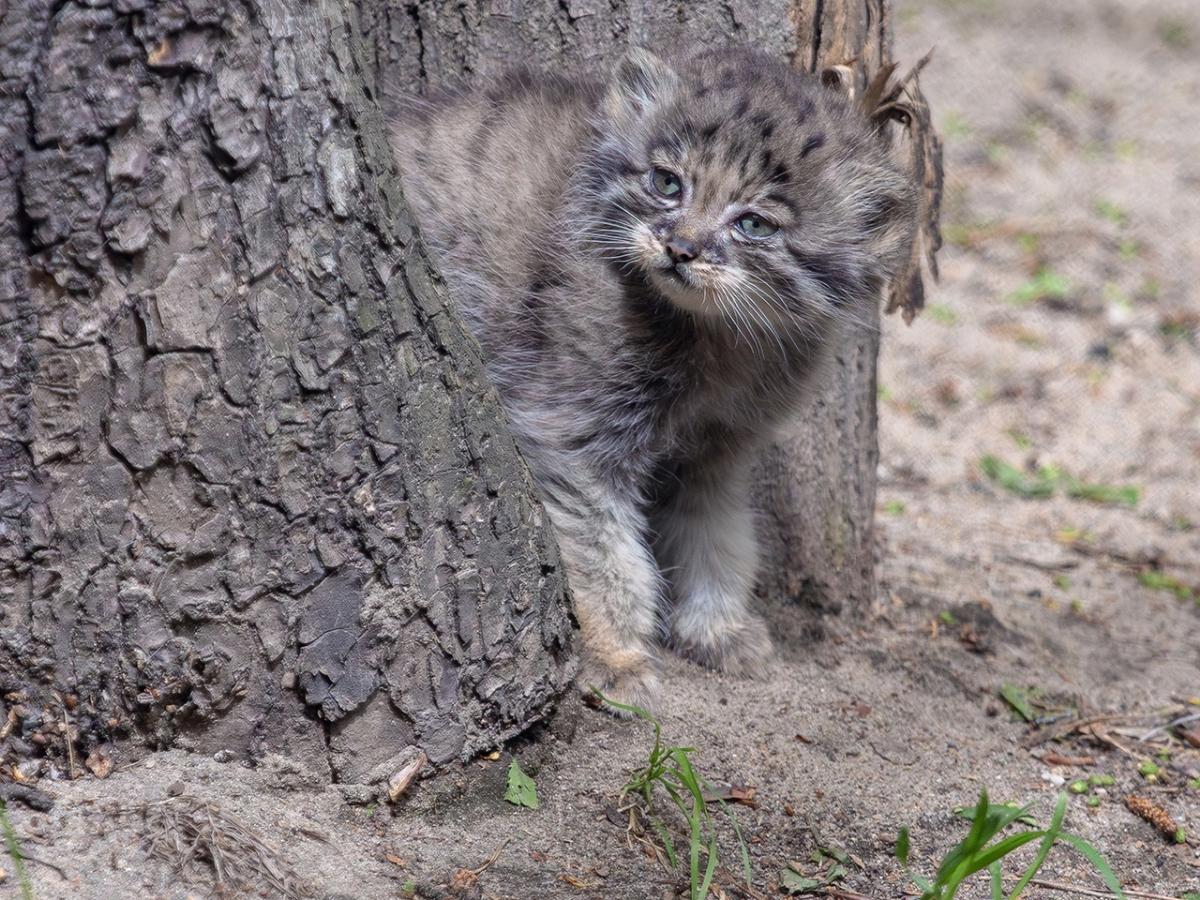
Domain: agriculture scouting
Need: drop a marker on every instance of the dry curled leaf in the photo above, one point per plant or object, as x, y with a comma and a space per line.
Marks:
902, 101
99, 763
1057, 759
745, 794
400, 780
576, 882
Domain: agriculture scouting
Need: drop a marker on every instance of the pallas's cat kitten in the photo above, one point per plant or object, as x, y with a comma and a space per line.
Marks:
653, 267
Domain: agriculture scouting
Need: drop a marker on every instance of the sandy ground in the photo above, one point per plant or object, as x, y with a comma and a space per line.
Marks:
1064, 334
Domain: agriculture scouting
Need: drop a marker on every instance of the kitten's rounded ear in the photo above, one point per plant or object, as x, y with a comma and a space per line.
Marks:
641, 82
839, 79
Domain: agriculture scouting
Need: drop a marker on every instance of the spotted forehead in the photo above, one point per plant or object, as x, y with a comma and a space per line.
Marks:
728, 150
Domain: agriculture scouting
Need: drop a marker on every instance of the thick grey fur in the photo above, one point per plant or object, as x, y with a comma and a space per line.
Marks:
639, 384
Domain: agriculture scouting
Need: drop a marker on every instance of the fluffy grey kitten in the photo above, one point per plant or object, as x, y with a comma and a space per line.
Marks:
653, 266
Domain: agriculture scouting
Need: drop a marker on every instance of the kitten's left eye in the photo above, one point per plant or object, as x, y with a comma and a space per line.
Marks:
755, 226
666, 183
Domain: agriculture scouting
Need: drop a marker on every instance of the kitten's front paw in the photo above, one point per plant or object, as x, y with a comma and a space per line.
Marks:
740, 646
630, 685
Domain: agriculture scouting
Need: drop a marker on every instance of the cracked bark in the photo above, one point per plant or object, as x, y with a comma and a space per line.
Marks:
254, 495
250, 476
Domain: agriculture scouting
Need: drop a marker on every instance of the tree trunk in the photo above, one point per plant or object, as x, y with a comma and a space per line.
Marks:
817, 486
254, 493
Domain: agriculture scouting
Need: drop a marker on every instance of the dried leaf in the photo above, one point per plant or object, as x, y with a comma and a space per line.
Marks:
904, 102
463, 880
1057, 759
99, 762
734, 793
399, 782
578, 883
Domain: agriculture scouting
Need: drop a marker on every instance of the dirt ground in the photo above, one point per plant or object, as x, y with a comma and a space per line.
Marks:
1064, 334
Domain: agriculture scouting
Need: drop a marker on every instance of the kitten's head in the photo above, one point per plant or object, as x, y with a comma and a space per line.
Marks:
742, 190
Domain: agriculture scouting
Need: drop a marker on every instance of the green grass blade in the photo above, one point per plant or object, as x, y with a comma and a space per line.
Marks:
1051, 835
694, 855
988, 857
1005, 814
14, 852
747, 868
668, 845
983, 857
686, 774
628, 707
961, 852
1100, 863
1001, 849
977, 836
710, 869
997, 881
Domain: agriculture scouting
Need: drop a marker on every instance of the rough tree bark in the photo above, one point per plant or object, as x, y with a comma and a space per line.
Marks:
254, 494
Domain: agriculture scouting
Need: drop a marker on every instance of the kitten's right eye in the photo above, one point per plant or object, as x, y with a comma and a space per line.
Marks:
666, 183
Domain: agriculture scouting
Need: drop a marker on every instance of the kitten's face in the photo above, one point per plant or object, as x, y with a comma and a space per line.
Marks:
744, 192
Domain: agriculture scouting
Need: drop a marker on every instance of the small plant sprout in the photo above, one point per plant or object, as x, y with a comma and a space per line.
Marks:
670, 770
1048, 479
1046, 284
977, 852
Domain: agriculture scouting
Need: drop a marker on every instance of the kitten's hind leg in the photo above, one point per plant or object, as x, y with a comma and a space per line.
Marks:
706, 546
617, 587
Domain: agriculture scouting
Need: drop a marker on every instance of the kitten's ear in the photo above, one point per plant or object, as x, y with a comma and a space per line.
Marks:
640, 83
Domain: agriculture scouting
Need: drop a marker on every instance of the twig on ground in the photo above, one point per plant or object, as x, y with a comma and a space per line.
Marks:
72, 768
1105, 738
1044, 735
9, 723
44, 862
491, 860
1090, 892
1175, 723
185, 830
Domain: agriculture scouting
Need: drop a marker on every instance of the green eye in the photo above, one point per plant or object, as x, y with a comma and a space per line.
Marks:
755, 226
666, 182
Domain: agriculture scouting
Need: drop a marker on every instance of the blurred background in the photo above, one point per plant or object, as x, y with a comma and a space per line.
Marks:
1049, 397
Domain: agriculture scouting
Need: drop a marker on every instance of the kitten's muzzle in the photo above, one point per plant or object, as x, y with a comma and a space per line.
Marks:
680, 249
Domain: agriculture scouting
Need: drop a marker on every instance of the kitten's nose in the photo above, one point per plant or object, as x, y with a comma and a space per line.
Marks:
681, 250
